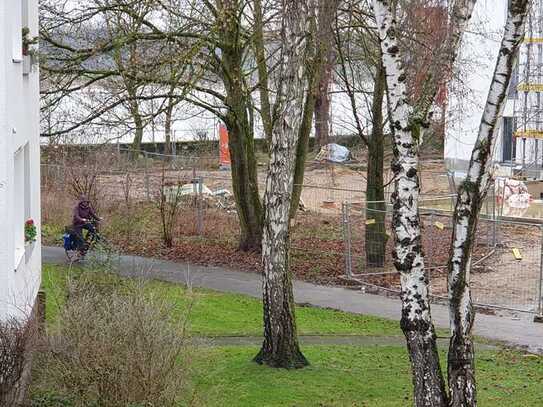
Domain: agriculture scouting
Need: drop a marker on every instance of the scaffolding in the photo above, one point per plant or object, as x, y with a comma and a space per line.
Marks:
527, 140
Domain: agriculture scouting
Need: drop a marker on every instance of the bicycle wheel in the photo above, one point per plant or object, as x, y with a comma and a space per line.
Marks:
73, 255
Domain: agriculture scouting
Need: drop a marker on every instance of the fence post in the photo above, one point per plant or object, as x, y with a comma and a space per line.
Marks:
539, 313
494, 217
147, 185
487, 217
200, 205
431, 240
195, 198
347, 239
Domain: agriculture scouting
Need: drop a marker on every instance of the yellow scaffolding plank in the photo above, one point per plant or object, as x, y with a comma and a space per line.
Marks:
530, 87
529, 133
532, 40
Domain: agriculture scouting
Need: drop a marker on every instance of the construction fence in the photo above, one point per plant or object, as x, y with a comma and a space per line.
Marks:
506, 269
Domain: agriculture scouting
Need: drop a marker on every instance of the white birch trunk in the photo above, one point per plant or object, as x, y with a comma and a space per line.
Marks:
280, 347
416, 320
407, 124
471, 194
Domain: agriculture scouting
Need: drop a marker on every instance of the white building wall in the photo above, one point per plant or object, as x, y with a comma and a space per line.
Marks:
20, 264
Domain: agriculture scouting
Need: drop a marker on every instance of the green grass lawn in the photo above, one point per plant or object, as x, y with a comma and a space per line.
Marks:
375, 376
219, 314
337, 376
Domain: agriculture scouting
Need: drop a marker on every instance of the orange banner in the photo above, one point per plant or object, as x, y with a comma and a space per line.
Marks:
224, 152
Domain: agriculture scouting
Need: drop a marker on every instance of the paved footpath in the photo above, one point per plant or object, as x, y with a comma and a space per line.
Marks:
518, 332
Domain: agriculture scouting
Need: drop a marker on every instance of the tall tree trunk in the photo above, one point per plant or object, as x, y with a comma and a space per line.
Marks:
407, 125
168, 128
375, 234
138, 133
416, 320
471, 194
323, 104
280, 347
240, 131
302, 148
245, 184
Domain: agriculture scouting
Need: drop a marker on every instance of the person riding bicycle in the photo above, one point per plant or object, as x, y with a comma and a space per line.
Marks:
84, 217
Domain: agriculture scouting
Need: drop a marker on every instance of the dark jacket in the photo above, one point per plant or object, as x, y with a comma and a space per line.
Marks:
81, 212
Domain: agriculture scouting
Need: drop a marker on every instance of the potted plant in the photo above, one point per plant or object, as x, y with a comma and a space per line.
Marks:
30, 231
31, 234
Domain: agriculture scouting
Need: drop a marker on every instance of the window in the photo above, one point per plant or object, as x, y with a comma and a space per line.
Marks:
21, 199
24, 13
28, 213
28, 59
17, 36
509, 142
18, 205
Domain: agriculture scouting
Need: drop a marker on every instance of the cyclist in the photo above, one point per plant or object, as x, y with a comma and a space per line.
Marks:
84, 217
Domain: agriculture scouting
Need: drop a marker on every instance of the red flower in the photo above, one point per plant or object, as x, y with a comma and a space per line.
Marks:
30, 222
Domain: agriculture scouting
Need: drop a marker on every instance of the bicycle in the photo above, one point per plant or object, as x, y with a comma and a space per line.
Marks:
92, 240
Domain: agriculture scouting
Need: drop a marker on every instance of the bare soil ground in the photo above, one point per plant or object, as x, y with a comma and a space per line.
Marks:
326, 186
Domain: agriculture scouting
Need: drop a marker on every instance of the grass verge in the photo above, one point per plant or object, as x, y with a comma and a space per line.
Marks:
338, 375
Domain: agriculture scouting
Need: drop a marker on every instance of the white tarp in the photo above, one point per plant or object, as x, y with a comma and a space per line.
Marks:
174, 192
334, 153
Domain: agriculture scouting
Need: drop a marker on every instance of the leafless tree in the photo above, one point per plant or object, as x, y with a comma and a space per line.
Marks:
361, 78
105, 66
409, 118
471, 195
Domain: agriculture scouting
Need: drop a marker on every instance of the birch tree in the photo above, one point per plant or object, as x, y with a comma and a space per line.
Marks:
361, 79
471, 194
408, 120
280, 347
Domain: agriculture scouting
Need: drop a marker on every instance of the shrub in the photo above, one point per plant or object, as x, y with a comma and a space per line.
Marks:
113, 346
16, 338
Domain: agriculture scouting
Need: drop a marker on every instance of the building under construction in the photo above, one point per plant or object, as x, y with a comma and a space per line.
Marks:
518, 150
522, 135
